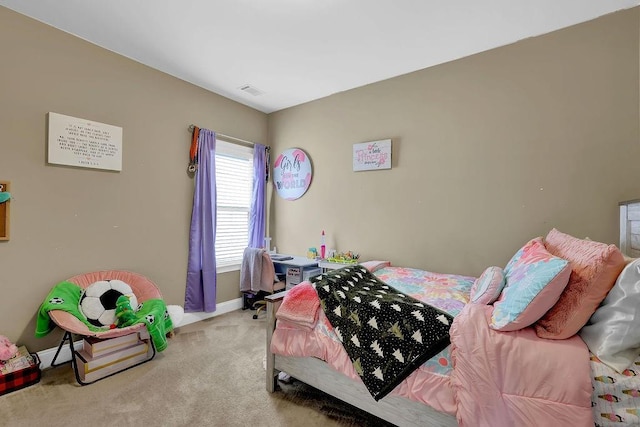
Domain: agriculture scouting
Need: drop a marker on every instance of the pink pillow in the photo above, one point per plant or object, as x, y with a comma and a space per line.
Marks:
486, 289
594, 269
375, 265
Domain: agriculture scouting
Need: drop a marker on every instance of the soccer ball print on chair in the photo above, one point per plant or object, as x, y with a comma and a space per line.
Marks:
98, 301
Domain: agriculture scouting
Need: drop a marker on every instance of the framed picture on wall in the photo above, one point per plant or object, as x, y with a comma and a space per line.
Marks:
372, 155
83, 143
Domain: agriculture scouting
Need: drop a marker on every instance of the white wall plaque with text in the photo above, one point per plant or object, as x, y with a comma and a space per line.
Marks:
83, 143
372, 155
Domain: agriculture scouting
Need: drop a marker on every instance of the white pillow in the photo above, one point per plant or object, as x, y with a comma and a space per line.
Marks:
613, 332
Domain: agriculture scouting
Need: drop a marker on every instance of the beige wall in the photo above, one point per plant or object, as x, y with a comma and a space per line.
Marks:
66, 221
488, 152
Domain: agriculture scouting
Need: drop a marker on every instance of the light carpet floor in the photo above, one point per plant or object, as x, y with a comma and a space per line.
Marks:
211, 374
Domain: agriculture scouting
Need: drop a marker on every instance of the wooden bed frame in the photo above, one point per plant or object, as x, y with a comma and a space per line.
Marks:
315, 372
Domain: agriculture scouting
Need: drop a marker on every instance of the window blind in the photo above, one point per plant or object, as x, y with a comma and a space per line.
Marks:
234, 185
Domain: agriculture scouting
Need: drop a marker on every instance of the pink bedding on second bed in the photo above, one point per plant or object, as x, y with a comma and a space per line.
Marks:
429, 383
422, 385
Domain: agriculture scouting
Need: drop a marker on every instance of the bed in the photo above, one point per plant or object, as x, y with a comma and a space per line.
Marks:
547, 340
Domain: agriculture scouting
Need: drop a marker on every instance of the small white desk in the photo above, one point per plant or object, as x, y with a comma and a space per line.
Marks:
299, 265
294, 261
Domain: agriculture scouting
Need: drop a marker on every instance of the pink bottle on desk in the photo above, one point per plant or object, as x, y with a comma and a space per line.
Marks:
323, 247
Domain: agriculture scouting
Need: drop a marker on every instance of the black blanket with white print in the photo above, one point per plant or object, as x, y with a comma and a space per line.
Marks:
387, 334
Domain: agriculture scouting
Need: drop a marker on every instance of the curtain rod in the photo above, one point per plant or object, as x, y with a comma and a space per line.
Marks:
242, 141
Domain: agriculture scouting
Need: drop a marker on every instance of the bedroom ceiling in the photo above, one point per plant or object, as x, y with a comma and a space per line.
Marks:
289, 52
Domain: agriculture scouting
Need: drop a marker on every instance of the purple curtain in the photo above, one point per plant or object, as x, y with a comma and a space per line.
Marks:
257, 223
201, 270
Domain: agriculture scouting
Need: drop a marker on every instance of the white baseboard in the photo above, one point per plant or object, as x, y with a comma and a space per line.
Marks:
222, 308
46, 356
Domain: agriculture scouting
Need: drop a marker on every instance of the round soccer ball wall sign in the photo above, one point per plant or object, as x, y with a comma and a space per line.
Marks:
292, 173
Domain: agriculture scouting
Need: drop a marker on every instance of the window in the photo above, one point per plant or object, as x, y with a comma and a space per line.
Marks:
234, 184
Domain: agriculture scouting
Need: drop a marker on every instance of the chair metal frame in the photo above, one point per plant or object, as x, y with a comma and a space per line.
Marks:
142, 287
68, 336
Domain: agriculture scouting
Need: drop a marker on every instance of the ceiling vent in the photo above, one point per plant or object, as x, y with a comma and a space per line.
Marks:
251, 90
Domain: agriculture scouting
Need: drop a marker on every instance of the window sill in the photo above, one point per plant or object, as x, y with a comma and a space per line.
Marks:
228, 268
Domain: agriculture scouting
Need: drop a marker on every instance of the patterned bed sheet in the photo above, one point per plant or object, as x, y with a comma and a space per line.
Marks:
616, 397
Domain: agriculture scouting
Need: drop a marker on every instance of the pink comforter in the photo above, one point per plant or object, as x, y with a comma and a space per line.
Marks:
516, 378
498, 378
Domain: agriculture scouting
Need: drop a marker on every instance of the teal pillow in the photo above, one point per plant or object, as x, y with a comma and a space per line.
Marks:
534, 281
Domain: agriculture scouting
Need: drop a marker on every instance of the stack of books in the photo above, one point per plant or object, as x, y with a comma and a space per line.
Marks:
100, 358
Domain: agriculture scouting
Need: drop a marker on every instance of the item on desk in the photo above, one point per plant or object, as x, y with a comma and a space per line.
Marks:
348, 257
312, 253
267, 244
322, 246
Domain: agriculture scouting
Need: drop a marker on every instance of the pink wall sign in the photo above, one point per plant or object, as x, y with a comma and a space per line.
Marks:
292, 173
372, 155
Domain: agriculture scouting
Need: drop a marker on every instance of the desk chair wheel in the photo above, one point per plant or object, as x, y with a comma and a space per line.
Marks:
259, 306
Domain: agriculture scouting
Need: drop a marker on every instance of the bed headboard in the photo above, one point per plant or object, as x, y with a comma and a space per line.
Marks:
630, 228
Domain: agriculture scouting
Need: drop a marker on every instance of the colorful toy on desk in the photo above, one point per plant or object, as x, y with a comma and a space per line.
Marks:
348, 257
312, 253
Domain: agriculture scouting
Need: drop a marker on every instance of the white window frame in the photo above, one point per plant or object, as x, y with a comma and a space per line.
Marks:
234, 166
